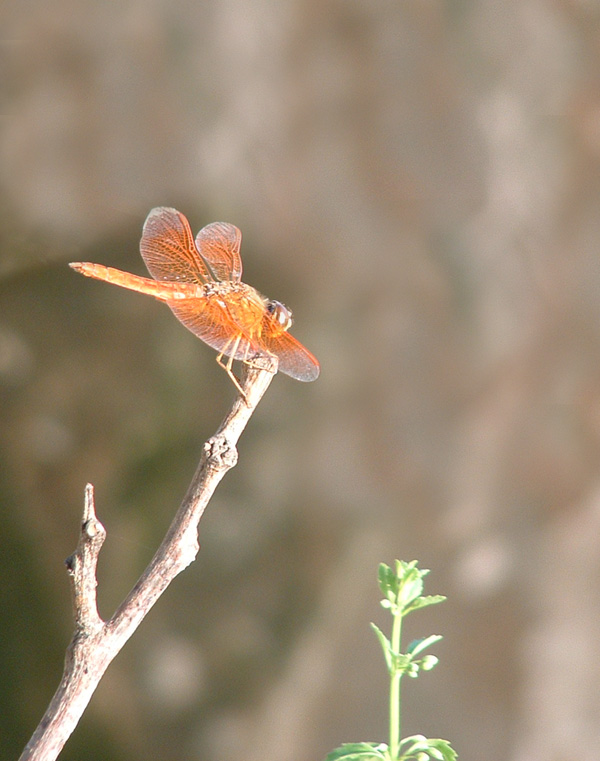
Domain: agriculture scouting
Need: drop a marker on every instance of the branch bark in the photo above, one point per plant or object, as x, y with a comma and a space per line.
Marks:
95, 642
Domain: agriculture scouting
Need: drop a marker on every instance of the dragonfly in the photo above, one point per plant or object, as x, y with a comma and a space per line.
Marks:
201, 282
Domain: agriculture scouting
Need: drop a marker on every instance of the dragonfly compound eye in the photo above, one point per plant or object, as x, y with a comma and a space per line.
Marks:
281, 314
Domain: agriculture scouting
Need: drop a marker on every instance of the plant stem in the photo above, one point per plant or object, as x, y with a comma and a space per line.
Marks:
395, 677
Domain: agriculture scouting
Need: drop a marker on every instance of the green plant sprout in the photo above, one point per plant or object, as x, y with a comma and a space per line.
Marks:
401, 588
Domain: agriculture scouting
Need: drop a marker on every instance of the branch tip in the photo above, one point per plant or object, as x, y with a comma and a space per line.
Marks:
89, 508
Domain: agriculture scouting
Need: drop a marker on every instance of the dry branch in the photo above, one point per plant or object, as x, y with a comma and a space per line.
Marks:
96, 642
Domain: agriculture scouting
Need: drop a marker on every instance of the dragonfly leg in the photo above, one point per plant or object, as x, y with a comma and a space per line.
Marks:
227, 366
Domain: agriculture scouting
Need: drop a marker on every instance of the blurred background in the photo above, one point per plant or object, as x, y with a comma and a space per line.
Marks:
420, 182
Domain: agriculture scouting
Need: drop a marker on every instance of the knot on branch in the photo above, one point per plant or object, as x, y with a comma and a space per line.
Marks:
71, 563
220, 453
92, 528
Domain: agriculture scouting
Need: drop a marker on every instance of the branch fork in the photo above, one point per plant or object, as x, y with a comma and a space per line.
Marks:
95, 642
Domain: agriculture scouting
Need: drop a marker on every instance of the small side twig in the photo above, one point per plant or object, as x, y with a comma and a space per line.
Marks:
96, 642
82, 567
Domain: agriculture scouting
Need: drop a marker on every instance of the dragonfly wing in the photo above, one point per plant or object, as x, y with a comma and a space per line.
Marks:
294, 359
167, 246
219, 244
210, 322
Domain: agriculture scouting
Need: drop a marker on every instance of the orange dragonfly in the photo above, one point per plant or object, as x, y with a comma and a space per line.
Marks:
200, 281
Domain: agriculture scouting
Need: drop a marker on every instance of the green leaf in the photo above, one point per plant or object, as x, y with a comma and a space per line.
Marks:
405, 569
386, 646
410, 589
423, 748
359, 752
418, 645
423, 602
387, 579
388, 584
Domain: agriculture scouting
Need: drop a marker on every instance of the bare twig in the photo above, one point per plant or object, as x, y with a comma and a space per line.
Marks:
96, 642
